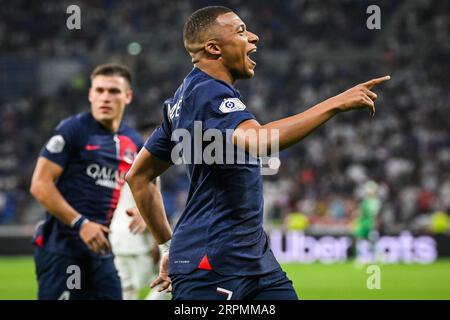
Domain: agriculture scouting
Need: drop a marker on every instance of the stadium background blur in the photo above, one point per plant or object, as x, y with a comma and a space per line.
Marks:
308, 51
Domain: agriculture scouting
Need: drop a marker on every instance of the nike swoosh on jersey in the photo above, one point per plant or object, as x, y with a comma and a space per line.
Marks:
91, 147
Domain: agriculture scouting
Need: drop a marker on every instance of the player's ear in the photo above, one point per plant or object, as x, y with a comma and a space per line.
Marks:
128, 96
212, 47
90, 95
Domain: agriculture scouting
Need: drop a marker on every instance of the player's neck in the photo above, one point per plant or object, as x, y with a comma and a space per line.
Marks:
215, 70
110, 125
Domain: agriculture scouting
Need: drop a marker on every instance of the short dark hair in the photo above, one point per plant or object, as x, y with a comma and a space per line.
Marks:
112, 69
200, 21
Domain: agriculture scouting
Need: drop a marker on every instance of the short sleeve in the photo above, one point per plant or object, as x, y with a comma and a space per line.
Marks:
159, 143
223, 107
59, 148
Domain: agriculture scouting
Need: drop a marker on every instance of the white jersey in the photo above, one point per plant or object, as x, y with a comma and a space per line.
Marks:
123, 242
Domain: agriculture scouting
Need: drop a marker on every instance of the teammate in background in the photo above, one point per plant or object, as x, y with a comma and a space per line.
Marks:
78, 179
365, 226
219, 249
136, 253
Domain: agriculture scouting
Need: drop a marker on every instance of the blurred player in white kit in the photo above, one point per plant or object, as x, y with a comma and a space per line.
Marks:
136, 252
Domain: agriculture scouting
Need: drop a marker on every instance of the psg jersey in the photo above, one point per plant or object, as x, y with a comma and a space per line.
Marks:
95, 162
221, 227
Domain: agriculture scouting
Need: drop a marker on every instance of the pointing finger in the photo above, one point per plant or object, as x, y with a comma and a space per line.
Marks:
371, 83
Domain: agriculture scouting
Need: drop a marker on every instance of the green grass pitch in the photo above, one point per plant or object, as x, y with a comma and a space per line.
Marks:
314, 281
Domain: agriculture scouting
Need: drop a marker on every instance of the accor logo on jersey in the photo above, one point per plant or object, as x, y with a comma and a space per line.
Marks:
106, 176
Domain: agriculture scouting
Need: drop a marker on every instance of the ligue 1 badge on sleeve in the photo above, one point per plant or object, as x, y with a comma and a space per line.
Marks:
231, 105
56, 144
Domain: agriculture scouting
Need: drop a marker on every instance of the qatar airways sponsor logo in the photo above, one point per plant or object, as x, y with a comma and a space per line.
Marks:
106, 176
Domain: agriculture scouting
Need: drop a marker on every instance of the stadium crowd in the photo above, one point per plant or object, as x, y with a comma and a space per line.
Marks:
308, 51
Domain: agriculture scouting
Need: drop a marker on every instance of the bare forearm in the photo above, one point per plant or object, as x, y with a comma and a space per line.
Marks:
281, 134
150, 204
278, 135
49, 196
293, 129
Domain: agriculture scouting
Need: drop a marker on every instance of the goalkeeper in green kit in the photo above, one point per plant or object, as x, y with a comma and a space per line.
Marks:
365, 226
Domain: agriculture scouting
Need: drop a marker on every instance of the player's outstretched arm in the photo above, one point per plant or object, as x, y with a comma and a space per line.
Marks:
44, 190
142, 181
294, 128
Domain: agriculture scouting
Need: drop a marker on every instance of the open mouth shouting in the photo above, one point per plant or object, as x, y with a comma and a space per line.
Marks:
248, 56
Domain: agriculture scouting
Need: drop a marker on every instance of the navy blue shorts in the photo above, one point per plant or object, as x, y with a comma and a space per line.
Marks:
63, 277
209, 285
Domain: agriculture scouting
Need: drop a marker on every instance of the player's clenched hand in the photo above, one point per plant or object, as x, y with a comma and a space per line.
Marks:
163, 278
137, 224
360, 96
94, 236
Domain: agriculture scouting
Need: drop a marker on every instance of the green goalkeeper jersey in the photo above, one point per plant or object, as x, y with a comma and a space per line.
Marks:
370, 207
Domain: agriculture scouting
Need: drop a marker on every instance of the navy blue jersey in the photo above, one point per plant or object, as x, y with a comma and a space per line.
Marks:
95, 162
222, 225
